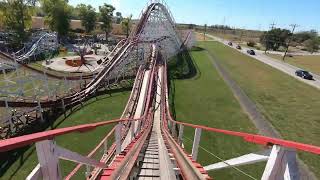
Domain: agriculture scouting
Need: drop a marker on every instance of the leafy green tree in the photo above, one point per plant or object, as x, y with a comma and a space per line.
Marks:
304, 36
275, 38
312, 45
126, 25
17, 17
119, 17
106, 14
88, 17
58, 15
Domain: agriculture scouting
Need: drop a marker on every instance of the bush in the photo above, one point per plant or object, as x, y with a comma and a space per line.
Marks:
251, 43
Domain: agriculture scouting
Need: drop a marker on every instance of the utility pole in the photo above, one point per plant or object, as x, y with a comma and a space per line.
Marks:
204, 32
273, 25
294, 26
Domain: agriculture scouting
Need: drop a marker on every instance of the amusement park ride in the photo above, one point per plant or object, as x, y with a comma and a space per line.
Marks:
148, 141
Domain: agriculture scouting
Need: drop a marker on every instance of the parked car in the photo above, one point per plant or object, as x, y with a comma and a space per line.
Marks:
230, 43
238, 47
304, 74
251, 52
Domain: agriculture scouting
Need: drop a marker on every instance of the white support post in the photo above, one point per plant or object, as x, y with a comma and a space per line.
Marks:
9, 115
88, 171
196, 142
118, 138
105, 146
169, 124
173, 129
180, 137
282, 164
48, 160
63, 105
5, 76
35, 174
132, 129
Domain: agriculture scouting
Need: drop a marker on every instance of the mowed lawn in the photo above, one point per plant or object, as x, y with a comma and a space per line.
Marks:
309, 63
290, 105
203, 98
105, 108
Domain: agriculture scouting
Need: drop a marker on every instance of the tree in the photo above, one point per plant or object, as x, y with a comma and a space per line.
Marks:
275, 38
106, 14
88, 17
119, 17
57, 15
312, 45
17, 17
126, 25
304, 36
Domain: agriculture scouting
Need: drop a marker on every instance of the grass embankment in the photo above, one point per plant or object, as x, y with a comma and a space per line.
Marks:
309, 63
199, 95
290, 105
105, 108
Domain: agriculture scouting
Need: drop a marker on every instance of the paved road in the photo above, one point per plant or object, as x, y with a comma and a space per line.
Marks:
282, 66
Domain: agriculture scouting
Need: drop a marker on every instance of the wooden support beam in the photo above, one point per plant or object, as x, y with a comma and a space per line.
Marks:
239, 161
48, 160
282, 164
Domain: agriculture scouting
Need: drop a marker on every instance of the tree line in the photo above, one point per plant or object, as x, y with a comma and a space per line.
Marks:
277, 37
16, 16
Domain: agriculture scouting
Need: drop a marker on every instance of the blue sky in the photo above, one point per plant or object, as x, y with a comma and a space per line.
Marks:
250, 14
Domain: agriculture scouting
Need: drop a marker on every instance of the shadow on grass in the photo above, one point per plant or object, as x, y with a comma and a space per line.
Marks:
181, 67
7, 159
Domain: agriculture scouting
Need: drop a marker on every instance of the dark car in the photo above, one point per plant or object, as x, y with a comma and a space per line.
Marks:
304, 74
230, 43
238, 47
251, 52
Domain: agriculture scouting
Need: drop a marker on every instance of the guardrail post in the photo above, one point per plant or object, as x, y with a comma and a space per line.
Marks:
48, 160
63, 107
9, 115
281, 164
118, 138
169, 124
173, 129
105, 146
88, 171
196, 142
40, 109
180, 137
132, 129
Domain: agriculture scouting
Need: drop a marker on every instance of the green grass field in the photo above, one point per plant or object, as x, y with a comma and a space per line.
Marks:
199, 95
290, 105
105, 108
310, 63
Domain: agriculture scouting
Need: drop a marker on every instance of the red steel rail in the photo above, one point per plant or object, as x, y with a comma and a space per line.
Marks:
21, 141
